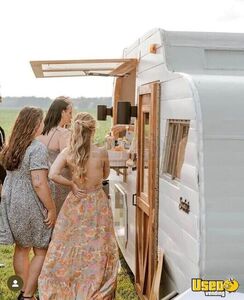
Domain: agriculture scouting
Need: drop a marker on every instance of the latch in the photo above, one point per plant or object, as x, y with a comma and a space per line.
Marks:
184, 205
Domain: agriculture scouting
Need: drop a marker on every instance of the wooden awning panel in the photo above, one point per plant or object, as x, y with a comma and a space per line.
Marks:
88, 67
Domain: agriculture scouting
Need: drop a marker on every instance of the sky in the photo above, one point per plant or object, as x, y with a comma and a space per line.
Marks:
79, 29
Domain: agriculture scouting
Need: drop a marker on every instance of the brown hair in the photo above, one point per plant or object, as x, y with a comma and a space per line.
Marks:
84, 126
21, 137
54, 113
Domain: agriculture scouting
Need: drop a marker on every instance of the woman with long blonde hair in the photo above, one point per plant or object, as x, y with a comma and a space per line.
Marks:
82, 259
28, 211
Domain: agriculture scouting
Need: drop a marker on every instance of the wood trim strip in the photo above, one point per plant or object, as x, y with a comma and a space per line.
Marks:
127, 65
125, 68
146, 254
143, 205
147, 210
37, 70
81, 61
145, 89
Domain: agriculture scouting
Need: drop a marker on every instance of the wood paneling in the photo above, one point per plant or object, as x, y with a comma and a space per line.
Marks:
146, 219
125, 67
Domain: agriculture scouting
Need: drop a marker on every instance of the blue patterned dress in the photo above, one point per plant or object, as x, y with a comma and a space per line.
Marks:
21, 212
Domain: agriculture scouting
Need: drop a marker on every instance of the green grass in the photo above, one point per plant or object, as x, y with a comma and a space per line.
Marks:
7, 118
6, 257
125, 287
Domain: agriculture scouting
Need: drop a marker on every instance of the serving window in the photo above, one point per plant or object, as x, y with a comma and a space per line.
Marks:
175, 147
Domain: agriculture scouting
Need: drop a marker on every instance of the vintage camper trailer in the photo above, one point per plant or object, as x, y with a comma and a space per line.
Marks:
186, 193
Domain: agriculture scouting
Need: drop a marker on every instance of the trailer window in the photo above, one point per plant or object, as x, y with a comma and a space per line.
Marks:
175, 147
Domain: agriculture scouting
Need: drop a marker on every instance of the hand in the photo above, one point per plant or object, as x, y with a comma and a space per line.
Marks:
116, 129
51, 218
129, 163
76, 191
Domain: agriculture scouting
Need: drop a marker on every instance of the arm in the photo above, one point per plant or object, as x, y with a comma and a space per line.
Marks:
116, 129
55, 173
38, 169
56, 168
41, 187
106, 167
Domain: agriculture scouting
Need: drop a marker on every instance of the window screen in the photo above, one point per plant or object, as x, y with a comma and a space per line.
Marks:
175, 147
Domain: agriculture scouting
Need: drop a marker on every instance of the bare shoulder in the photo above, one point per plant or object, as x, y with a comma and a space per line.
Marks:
100, 151
63, 131
103, 152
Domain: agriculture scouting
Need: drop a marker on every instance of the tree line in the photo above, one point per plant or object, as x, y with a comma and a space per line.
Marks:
80, 103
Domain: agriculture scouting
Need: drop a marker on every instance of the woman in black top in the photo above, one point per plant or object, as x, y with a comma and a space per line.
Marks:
2, 171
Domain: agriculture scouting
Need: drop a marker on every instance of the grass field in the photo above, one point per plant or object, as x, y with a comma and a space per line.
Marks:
8, 116
125, 288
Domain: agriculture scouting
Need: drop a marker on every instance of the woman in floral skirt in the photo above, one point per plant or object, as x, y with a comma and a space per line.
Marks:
82, 259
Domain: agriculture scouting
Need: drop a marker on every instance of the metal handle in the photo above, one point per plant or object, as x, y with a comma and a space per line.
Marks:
134, 199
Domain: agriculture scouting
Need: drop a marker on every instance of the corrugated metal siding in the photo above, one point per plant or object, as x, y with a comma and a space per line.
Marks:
222, 108
179, 232
213, 240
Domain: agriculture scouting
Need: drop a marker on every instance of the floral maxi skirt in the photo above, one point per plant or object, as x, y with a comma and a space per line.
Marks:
82, 258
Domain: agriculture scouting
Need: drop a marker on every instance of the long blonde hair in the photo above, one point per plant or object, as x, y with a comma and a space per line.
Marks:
84, 125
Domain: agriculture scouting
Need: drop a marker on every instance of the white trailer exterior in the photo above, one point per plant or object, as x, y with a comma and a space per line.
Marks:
197, 78
202, 80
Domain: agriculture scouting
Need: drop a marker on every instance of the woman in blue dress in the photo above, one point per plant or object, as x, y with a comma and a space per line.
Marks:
28, 211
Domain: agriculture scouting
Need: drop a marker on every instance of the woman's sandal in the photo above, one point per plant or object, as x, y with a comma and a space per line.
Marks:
28, 297
20, 295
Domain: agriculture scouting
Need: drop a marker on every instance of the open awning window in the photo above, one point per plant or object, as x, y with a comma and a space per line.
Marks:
91, 67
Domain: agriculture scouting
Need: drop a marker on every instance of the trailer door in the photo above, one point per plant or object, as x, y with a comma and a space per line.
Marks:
147, 188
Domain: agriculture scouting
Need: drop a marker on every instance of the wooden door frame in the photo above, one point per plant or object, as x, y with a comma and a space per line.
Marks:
154, 91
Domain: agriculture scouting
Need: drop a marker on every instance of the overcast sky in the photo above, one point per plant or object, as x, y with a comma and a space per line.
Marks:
82, 29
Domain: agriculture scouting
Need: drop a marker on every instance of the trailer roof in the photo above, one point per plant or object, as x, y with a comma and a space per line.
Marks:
223, 40
88, 67
213, 53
